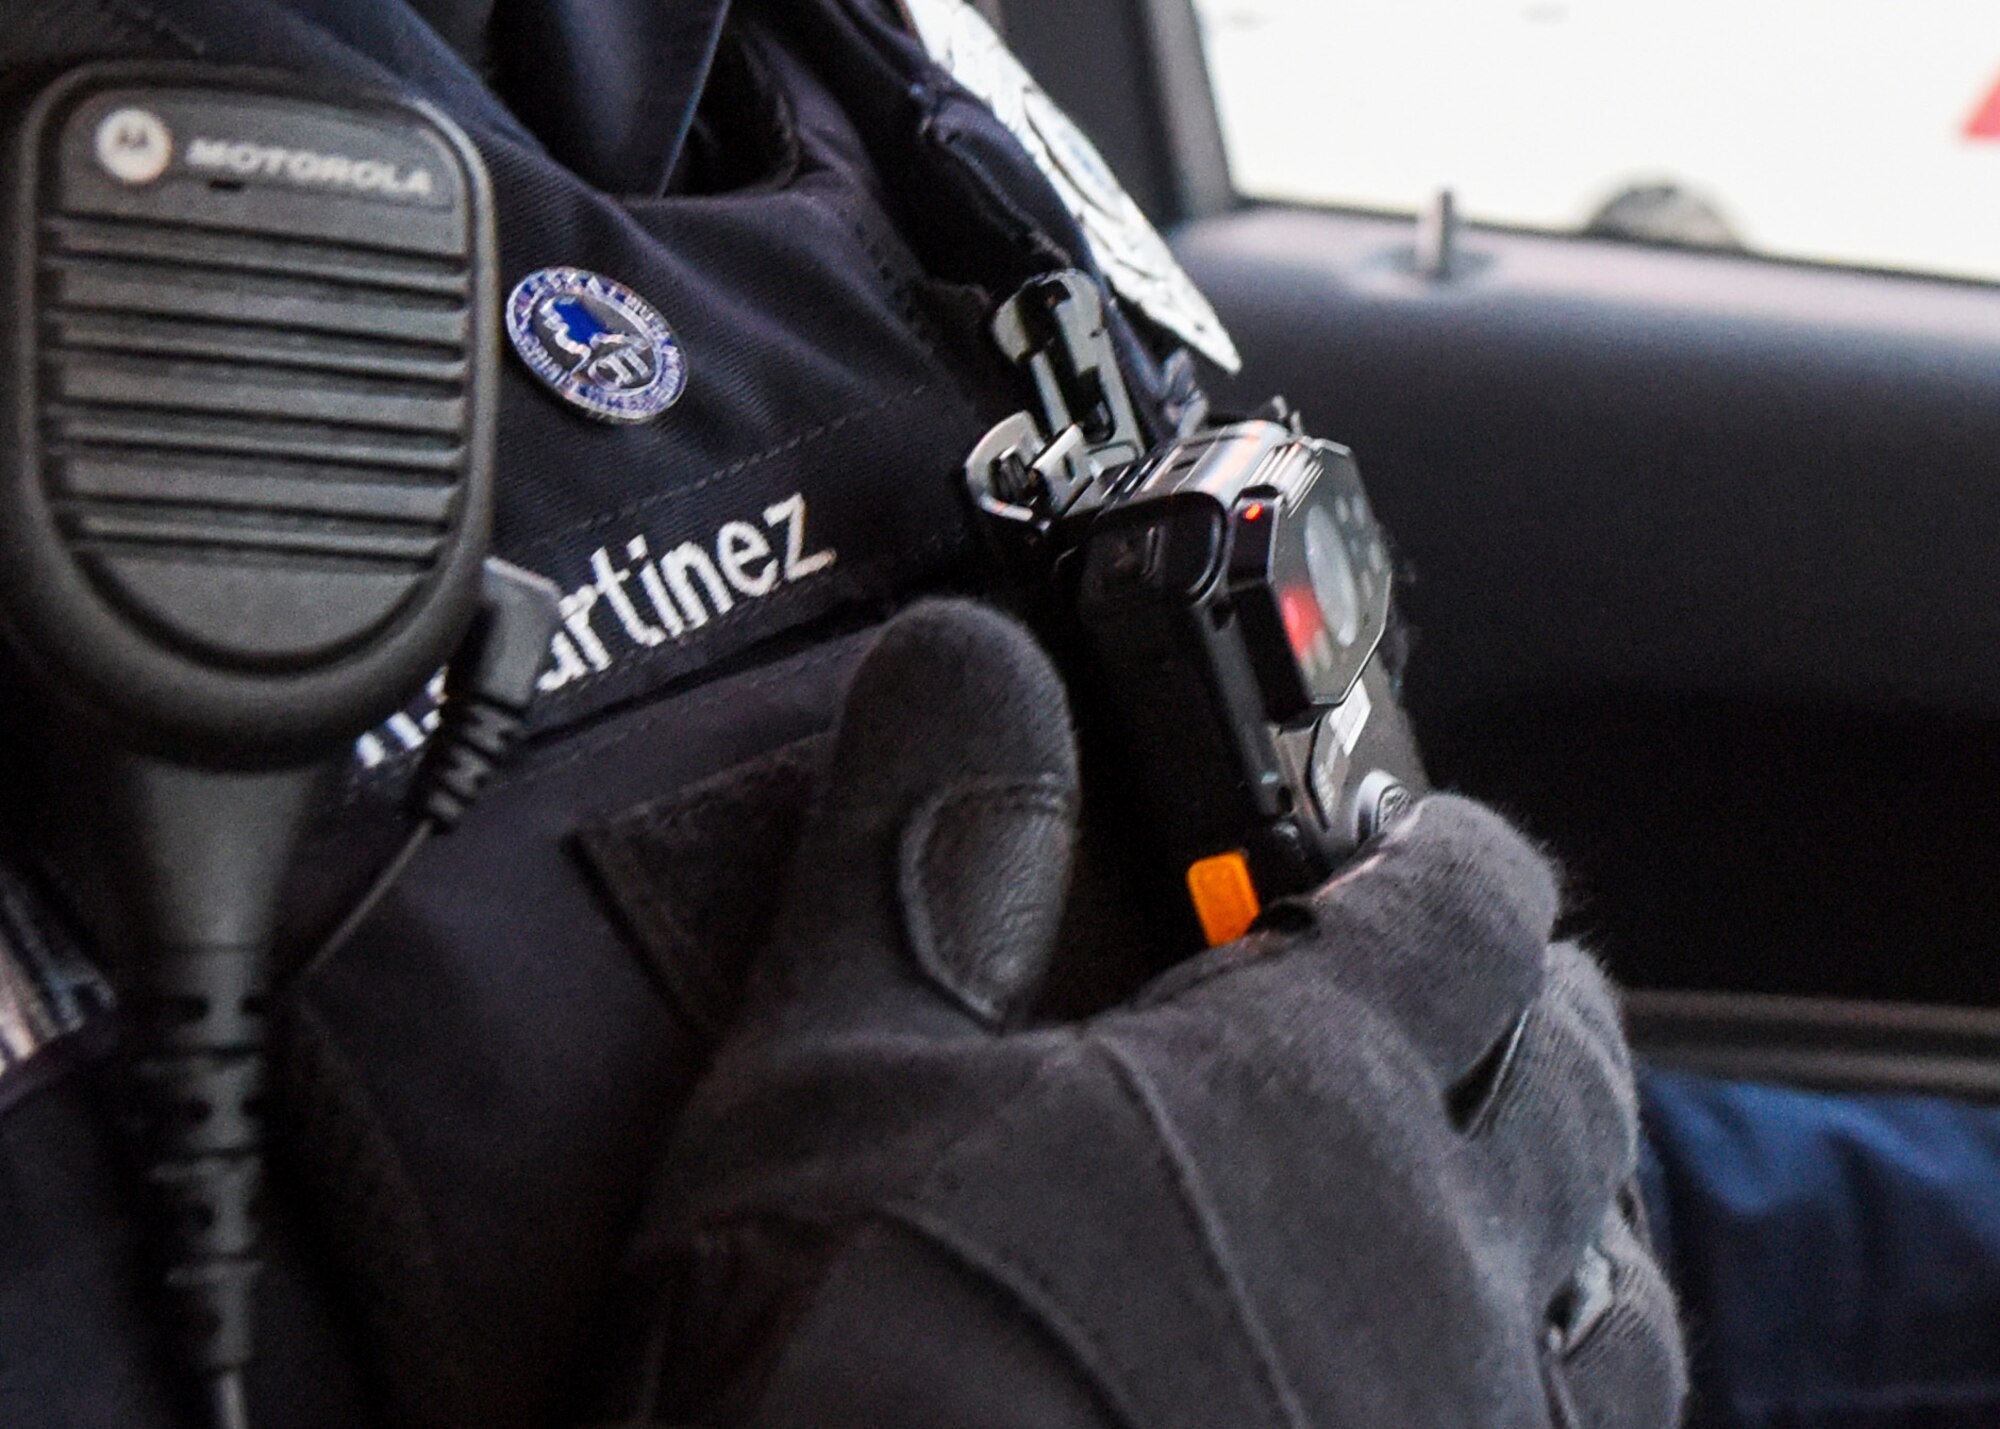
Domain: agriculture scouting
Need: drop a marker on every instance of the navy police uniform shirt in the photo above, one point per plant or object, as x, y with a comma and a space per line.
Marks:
770, 236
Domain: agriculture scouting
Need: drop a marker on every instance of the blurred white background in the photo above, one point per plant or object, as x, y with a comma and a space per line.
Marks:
1838, 130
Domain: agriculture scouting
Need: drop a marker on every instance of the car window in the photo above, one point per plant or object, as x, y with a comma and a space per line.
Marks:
1843, 131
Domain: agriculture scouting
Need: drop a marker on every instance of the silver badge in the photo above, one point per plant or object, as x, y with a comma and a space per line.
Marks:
1127, 247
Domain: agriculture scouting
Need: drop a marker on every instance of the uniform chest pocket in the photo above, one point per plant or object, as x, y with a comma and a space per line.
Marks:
694, 875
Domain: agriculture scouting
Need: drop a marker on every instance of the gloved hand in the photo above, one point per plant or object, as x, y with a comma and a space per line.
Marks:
1366, 1167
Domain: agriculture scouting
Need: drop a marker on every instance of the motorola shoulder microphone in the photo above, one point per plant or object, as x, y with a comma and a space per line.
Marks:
245, 494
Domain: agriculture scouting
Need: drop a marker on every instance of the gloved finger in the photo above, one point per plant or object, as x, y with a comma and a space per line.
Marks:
1561, 1121
1442, 927
1616, 1357
928, 883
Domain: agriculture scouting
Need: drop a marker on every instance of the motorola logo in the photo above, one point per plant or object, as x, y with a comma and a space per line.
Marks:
133, 145
307, 166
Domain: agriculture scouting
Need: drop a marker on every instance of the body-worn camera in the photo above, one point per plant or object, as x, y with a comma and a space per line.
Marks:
1234, 591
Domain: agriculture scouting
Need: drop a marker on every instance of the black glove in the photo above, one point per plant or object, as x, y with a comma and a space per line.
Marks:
1366, 1167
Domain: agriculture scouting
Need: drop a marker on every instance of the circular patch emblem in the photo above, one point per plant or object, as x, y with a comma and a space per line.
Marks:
597, 344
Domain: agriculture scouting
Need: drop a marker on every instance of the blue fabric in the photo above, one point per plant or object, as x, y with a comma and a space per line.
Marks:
1837, 1257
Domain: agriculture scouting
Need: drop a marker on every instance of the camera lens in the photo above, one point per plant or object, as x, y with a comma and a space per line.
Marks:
1332, 577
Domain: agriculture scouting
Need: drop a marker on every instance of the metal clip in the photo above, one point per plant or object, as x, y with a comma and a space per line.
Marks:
1032, 473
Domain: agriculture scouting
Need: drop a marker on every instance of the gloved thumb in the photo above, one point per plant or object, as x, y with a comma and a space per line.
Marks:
928, 883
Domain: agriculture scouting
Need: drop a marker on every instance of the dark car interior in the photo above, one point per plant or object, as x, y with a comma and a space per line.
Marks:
1699, 552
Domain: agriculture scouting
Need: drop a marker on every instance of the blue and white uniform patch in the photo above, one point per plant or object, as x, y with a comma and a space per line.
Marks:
51, 1000
597, 344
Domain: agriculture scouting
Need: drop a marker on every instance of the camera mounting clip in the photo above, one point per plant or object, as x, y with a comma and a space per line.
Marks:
1030, 473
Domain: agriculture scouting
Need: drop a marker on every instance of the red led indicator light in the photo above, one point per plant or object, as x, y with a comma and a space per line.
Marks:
1299, 608
1254, 511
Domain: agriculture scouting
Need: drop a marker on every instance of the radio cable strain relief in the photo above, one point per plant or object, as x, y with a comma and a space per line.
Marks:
197, 1081
488, 689
470, 742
